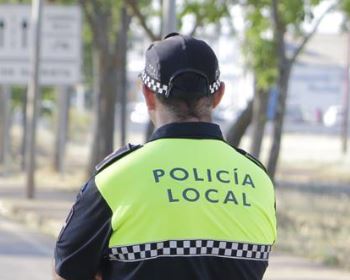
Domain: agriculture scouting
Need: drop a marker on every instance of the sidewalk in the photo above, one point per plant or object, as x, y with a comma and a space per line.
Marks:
48, 210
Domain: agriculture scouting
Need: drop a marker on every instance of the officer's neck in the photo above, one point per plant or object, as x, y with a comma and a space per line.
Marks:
163, 117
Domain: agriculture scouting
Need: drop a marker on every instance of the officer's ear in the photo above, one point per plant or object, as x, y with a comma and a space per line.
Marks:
150, 98
218, 95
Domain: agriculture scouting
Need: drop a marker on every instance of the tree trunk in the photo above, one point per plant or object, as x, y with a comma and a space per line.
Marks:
104, 25
278, 123
24, 129
259, 120
238, 129
2, 124
5, 114
285, 65
105, 108
282, 88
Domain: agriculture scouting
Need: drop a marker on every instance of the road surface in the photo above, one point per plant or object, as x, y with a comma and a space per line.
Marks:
24, 254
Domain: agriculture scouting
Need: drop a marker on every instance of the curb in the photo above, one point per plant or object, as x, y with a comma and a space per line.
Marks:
32, 219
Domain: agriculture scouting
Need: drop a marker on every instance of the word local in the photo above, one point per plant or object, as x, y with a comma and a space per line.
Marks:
210, 195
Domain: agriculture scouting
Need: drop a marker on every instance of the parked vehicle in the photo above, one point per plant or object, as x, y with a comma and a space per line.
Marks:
333, 116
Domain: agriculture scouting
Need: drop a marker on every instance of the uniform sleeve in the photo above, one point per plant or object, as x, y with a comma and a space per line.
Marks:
83, 240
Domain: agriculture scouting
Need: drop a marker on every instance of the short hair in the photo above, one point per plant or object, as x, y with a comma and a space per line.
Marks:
185, 108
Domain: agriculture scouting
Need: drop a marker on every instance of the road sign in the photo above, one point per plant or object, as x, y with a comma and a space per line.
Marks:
61, 45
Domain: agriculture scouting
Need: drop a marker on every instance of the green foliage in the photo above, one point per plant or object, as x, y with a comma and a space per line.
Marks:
209, 11
293, 12
259, 44
48, 98
48, 102
204, 12
17, 96
259, 47
345, 7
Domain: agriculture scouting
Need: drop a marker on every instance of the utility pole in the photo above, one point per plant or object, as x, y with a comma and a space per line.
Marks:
169, 17
168, 26
33, 98
123, 79
345, 107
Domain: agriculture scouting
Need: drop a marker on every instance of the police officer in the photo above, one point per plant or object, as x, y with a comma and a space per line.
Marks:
186, 205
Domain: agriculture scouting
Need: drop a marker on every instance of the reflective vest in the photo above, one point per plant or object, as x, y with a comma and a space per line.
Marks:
188, 197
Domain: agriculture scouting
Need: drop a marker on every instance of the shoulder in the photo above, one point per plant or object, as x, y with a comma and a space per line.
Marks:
115, 156
250, 157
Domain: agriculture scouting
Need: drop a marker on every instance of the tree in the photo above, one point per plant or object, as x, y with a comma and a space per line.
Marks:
258, 50
267, 56
287, 14
259, 55
104, 18
240, 126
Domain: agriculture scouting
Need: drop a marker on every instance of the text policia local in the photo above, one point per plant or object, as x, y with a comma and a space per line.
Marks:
210, 178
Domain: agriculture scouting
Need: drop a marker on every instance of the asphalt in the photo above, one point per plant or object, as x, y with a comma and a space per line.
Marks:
24, 253
47, 212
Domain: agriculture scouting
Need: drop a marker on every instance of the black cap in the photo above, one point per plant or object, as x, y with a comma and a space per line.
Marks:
181, 65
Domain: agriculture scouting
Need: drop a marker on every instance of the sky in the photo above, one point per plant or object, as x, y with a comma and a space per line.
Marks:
331, 24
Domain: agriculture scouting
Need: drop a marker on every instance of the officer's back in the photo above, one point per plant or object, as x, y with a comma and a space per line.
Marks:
186, 205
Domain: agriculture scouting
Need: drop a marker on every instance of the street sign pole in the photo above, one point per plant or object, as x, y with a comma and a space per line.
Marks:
62, 128
123, 39
168, 26
33, 98
169, 16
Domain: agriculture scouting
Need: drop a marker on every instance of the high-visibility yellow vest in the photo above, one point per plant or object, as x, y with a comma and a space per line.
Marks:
187, 189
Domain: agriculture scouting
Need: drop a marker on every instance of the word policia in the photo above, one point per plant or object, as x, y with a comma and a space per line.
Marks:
211, 195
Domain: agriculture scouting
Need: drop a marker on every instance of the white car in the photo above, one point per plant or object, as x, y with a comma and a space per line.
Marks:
333, 116
139, 114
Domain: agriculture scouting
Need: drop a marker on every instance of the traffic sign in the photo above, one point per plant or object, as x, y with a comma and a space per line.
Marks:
61, 45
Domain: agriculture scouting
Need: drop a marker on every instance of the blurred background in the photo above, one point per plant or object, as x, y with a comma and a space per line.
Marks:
70, 95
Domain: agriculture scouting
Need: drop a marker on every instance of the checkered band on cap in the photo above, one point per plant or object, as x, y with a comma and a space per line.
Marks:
188, 248
162, 89
153, 84
214, 86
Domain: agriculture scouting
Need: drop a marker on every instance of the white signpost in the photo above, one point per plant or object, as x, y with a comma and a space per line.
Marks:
60, 49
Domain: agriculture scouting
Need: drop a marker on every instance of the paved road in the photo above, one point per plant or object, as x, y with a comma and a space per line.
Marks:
24, 254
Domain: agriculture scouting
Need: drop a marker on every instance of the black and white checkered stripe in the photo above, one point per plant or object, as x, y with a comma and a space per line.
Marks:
153, 85
214, 86
188, 248
160, 88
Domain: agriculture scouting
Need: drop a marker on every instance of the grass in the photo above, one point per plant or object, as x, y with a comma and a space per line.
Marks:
313, 198
315, 224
